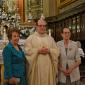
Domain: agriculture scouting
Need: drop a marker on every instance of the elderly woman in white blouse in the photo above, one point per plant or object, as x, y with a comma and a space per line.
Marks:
69, 60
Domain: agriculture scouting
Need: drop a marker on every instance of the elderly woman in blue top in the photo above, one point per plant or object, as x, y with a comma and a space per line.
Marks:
14, 60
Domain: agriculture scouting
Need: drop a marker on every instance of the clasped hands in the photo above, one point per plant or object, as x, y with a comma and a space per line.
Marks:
43, 50
68, 71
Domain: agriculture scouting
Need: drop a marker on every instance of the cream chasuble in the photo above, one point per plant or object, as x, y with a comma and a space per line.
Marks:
42, 69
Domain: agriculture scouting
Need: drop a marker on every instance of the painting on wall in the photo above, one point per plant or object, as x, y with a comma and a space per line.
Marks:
35, 6
35, 2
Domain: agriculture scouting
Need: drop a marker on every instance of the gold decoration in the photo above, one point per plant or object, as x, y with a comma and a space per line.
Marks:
64, 3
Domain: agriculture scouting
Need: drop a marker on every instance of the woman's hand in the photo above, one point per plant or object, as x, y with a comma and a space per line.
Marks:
67, 72
12, 80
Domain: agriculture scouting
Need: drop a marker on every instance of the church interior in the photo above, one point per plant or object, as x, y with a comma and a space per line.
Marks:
57, 13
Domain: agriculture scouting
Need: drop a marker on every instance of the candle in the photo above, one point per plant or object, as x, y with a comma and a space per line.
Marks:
49, 31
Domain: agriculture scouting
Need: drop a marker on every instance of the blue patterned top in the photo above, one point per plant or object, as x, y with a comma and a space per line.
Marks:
14, 62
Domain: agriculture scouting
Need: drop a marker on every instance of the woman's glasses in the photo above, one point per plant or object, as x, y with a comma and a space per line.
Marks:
41, 25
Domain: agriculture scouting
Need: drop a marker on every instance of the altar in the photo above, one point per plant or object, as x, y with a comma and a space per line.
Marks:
2, 45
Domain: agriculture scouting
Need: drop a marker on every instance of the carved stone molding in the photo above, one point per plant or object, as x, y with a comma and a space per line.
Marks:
64, 3
73, 11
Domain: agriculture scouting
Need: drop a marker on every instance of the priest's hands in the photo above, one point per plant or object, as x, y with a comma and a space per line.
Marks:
44, 50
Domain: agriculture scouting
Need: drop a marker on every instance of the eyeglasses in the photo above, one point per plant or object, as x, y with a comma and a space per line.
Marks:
42, 25
66, 32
